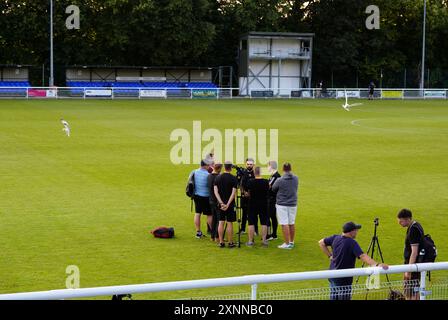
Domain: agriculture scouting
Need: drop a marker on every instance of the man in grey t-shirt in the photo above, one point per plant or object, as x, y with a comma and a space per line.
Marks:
286, 204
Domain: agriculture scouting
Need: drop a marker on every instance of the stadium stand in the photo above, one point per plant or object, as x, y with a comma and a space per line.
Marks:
161, 85
14, 84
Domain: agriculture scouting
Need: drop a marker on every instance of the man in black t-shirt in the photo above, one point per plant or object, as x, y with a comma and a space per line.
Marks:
225, 186
247, 176
272, 199
412, 242
258, 189
371, 90
213, 201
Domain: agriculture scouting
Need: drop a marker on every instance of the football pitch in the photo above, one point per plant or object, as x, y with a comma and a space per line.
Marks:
90, 200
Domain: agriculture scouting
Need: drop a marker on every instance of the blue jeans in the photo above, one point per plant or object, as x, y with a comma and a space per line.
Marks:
340, 290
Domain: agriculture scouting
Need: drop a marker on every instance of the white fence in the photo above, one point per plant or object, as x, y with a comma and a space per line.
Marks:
212, 93
252, 280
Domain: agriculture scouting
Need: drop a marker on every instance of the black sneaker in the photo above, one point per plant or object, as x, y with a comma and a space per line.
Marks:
231, 245
222, 245
199, 235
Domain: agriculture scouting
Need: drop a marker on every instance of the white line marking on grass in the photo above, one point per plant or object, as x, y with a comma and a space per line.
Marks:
357, 124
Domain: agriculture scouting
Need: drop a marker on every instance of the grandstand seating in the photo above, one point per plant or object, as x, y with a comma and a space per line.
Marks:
14, 84
167, 85
13, 88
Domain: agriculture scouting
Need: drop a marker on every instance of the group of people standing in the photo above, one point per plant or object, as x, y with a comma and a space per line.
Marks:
268, 202
272, 202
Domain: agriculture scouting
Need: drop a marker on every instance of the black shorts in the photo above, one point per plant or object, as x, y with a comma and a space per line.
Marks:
258, 210
229, 215
202, 205
272, 210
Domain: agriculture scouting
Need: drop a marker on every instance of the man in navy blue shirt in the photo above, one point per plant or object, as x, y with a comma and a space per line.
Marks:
344, 252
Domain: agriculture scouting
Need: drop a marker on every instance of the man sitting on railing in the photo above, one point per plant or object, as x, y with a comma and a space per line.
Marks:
344, 252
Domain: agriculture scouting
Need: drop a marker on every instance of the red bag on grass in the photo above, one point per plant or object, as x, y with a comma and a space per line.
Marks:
163, 232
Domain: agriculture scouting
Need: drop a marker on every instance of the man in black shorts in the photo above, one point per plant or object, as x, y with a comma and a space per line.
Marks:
272, 199
247, 176
413, 240
371, 90
258, 189
201, 195
225, 192
213, 201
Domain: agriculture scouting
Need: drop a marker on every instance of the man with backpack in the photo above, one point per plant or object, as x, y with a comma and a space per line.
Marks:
197, 189
418, 248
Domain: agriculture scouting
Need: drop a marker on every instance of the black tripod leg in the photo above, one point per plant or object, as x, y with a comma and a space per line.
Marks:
371, 245
381, 256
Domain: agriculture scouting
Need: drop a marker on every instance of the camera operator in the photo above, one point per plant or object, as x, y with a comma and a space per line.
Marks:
272, 212
258, 189
248, 174
414, 237
344, 252
225, 186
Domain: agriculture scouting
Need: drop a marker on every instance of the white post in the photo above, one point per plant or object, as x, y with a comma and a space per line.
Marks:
423, 285
253, 294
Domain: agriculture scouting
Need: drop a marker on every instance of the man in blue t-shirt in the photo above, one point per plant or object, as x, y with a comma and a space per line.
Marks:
344, 252
201, 197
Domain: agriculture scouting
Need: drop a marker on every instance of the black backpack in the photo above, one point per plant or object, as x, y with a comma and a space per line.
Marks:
189, 190
427, 248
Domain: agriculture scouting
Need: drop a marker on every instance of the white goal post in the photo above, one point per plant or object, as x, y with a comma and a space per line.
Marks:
252, 280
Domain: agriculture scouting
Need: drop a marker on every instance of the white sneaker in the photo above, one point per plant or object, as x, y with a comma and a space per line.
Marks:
291, 244
284, 246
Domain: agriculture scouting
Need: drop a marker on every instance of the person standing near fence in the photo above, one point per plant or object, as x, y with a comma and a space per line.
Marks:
345, 251
413, 240
371, 90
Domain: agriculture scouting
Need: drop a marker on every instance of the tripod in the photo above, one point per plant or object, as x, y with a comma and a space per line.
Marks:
374, 243
238, 214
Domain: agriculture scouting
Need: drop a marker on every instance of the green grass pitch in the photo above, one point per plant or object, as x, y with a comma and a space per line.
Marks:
91, 199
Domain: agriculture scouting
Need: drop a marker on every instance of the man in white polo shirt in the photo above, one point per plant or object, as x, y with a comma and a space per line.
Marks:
286, 204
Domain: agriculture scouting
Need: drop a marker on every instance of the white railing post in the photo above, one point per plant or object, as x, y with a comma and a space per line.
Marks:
253, 292
422, 288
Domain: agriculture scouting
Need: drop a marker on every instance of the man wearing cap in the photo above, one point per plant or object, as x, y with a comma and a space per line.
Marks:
343, 254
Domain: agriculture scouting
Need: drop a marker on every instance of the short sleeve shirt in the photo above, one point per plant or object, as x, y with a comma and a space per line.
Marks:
345, 252
225, 183
414, 235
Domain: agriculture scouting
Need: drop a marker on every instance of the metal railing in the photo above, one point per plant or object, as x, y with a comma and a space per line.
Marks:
214, 93
252, 280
